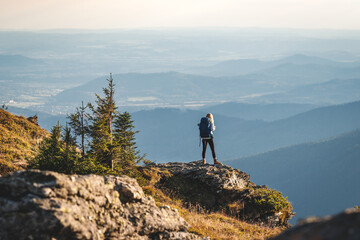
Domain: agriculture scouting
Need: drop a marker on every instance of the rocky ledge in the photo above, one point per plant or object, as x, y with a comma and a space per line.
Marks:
47, 205
344, 226
222, 188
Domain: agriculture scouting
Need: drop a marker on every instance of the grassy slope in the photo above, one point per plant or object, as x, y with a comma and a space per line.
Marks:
219, 226
19, 139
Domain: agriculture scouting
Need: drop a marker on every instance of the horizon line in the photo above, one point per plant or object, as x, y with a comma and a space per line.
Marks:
176, 28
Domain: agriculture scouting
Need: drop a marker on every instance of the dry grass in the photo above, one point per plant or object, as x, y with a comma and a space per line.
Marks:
215, 225
218, 226
19, 139
221, 227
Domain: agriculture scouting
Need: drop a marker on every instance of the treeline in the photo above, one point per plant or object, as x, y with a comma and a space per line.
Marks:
97, 139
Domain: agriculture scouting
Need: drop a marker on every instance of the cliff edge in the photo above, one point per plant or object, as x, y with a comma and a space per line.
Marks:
221, 188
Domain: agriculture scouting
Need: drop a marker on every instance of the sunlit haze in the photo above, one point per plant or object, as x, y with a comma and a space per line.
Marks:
108, 14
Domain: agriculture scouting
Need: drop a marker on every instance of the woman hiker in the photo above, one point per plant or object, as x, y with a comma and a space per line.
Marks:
206, 127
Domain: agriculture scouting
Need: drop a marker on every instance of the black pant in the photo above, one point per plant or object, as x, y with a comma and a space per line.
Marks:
211, 143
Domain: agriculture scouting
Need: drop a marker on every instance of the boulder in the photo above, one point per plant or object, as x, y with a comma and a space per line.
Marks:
222, 188
344, 226
47, 205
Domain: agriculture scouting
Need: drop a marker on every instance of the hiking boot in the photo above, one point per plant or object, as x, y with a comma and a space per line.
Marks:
216, 161
203, 161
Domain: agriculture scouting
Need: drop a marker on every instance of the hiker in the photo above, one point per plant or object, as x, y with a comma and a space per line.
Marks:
206, 127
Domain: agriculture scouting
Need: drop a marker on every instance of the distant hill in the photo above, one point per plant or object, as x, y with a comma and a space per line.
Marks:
19, 139
320, 178
319, 123
266, 112
235, 67
173, 133
294, 75
306, 59
333, 91
282, 82
164, 89
17, 61
294, 63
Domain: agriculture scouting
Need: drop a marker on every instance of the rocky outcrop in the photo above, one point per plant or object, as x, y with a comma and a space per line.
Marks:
344, 226
220, 187
46, 205
218, 177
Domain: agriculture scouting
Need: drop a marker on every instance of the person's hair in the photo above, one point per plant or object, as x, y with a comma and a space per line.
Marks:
210, 116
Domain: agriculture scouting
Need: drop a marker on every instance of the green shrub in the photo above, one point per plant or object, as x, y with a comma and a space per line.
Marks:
270, 200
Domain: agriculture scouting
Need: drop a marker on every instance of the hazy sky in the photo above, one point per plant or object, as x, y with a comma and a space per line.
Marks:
98, 14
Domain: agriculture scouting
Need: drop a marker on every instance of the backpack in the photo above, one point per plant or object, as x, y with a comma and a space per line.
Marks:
205, 127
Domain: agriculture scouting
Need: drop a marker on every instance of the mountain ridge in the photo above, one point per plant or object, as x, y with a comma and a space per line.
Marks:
234, 137
320, 176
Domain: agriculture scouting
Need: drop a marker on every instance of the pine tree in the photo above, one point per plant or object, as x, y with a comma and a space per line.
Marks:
124, 136
111, 135
50, 151
69, 152
100, 129
56, 154
79, 123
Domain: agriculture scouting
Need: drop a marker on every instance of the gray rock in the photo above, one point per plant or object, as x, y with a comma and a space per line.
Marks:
218, 176
221, 188
344, 226
46, 205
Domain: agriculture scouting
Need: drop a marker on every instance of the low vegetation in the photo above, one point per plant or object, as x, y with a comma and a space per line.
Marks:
214, 224
220, 226
270, 200
19, 141
98, 139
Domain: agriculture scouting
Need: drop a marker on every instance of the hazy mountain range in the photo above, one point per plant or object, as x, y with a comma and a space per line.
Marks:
7, 61
289, 64
238, 62
177, 135
164, 89
319, 178
172, 89
330, 92
266, 112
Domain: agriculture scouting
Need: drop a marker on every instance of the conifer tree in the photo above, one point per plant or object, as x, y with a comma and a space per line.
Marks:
79, 123
124, 136
100, 128
56, 154
69, 152
50, 150
111, 135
